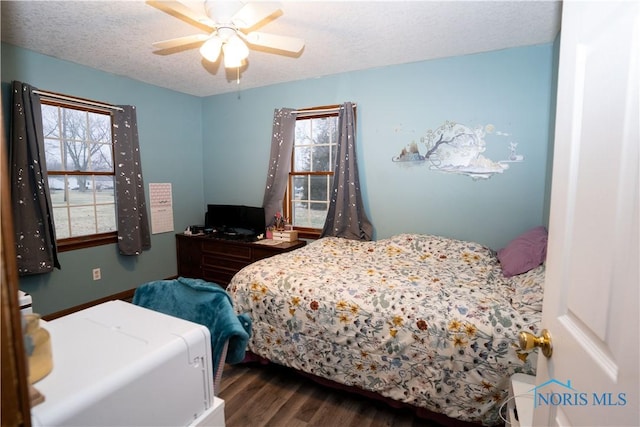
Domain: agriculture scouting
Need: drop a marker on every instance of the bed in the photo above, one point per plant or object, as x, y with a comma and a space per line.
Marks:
423, 320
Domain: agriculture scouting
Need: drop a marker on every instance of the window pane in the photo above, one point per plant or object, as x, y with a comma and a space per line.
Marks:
87, 206
324, 130
318, 214
311, 215
57, 184
80, 186
83, 220
301, 215
53, 154
75, 156
61, 220
106, 218
99, 127
322, 158
319, 189
302, 158
74, 124
105, 203
303, 132
50, 121
314, 148
300, 188
104, 185
101, 158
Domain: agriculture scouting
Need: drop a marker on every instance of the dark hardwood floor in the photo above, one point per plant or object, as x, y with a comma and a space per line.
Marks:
268, 395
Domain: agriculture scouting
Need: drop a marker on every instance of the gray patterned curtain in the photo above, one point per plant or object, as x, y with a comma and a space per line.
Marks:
284, 124
35, 233
133, 222
346, 217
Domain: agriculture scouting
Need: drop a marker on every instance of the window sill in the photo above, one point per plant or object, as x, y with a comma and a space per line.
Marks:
74, 243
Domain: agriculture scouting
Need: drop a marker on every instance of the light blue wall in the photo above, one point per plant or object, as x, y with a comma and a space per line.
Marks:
215, 150
170, 132
510, 89
552, 129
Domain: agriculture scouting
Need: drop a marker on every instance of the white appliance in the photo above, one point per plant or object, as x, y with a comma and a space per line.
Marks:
24, 299
117, 364
521, 400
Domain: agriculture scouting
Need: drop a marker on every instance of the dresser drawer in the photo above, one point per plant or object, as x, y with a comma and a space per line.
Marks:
217, 261
226, 249
261, 253
216, 275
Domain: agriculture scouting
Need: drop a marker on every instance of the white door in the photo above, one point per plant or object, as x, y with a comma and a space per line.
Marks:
591, 291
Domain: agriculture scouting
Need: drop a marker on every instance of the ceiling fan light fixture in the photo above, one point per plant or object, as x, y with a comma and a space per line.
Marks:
226, 22
210, 50
231, 60
235, 52
238, 47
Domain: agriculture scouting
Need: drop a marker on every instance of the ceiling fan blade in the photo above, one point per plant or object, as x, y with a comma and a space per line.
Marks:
252, 13
180, 41
274, 41
180, 11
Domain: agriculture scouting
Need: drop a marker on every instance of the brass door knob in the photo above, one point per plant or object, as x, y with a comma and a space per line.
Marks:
529, 341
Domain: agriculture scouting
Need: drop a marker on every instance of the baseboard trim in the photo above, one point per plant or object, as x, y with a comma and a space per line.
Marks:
124, 296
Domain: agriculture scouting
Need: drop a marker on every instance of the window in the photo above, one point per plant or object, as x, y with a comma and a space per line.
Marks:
79, 155
313, 163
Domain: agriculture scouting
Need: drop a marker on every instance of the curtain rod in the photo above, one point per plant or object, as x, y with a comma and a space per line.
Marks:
320, 110
77, 100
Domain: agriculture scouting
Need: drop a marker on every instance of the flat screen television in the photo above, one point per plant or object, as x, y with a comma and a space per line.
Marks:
235, 219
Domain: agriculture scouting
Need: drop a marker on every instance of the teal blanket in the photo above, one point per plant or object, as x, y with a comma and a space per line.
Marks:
204, 303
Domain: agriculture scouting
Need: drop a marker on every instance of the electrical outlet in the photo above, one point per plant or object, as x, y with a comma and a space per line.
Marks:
97, 274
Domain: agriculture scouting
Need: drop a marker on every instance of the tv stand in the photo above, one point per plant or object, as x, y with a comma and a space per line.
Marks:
218, 260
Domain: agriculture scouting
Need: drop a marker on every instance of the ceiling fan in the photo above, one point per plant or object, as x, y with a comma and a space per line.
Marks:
229, 25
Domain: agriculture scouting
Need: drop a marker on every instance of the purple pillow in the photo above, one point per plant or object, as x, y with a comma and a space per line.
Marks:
525, 252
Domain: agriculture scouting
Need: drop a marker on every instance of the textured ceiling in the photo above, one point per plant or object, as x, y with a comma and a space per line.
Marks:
116, 36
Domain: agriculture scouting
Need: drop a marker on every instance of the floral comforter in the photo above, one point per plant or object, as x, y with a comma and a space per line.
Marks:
420, 319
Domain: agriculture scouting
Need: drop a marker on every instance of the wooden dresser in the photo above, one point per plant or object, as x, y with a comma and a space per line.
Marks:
217, 260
